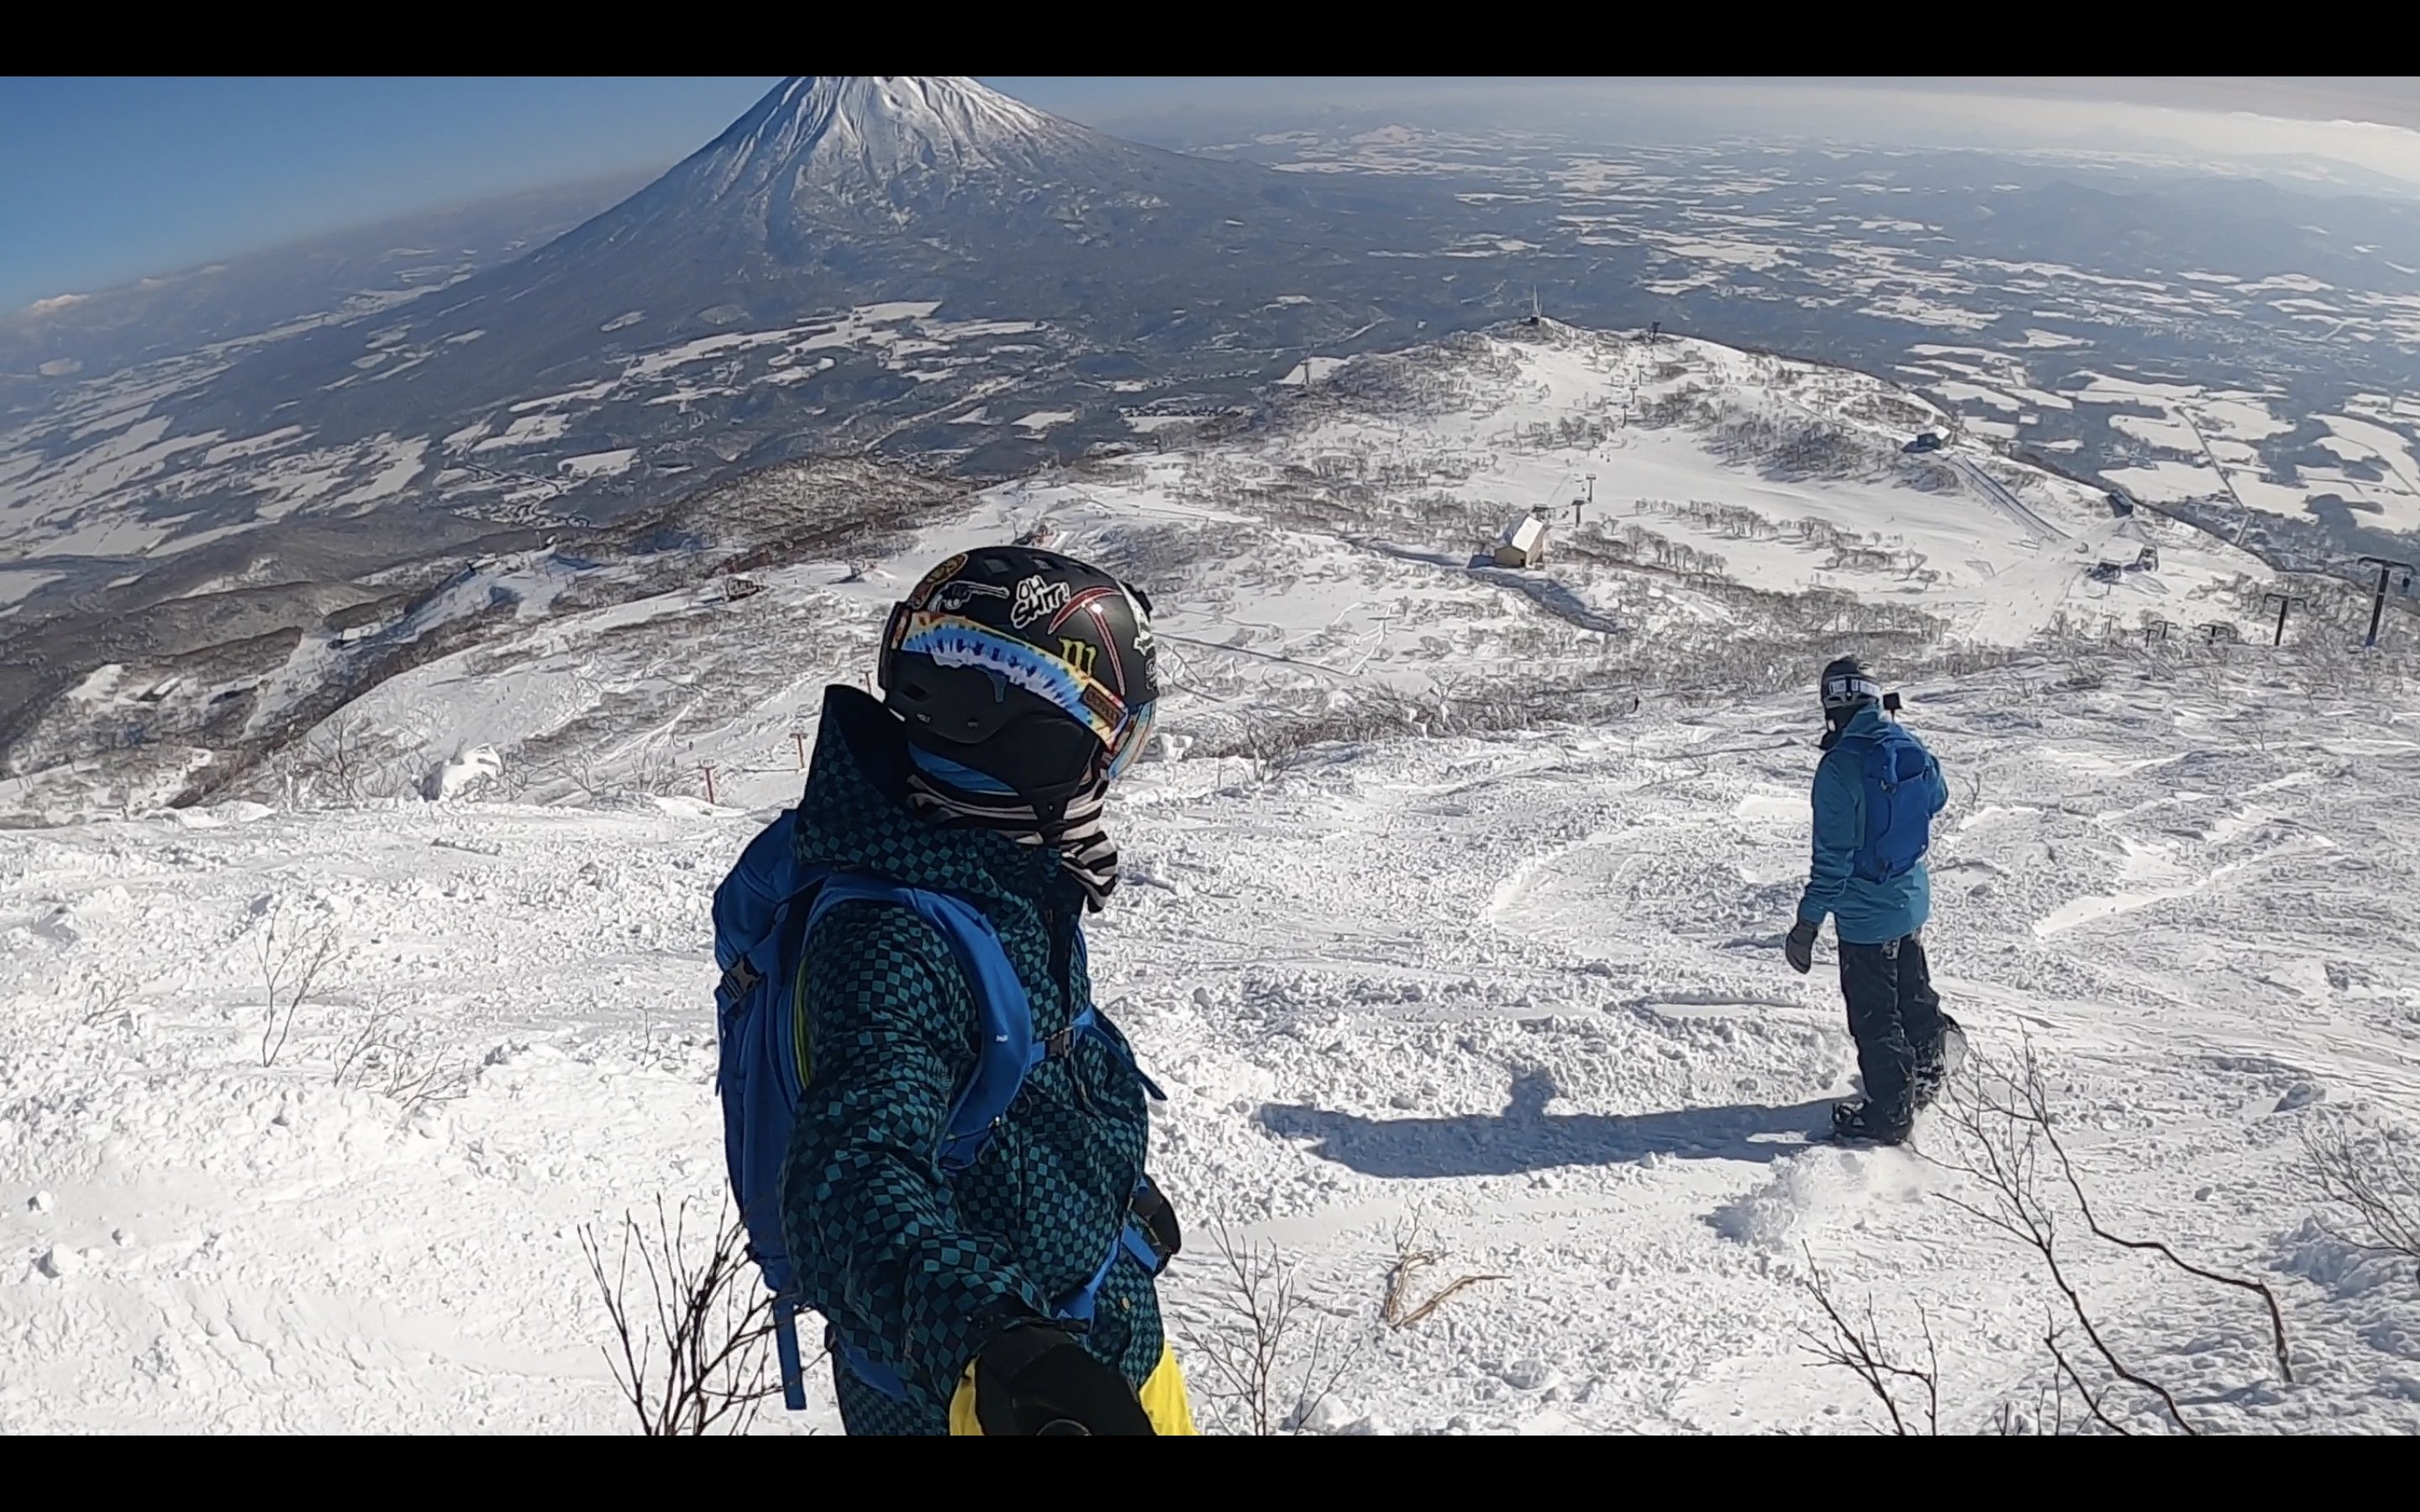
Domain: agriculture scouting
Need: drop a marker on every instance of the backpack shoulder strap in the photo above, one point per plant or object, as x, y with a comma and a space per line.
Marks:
1003, 1013
1894, 743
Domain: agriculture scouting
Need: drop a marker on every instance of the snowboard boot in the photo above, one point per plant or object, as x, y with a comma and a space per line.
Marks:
1932, 1073
1860, 1123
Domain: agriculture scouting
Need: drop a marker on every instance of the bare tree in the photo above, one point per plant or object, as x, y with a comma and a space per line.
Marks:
2375, 1177
1971, 793
381, 1054
108, 1001
360, 1049
1860, 1350
296, 946
2014, 1153
578, 766
1273, 1356
414, 1082
696, 1360
658, 773
513, 777
337, 762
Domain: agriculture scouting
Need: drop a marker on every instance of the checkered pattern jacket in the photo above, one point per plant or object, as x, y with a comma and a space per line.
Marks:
916, 1267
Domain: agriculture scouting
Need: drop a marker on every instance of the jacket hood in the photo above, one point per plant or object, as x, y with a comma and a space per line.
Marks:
854, 812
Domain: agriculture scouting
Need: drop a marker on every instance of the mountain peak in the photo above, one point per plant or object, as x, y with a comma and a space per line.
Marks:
887, 132
841, 112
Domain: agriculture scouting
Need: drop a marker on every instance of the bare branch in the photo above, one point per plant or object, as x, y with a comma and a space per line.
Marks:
1396, 1310
1861, 1353
701, 1361
2375, 1177
107, 1000
2084, 1205
296, 947
1271, 1356
2007, 1129
2092, 1402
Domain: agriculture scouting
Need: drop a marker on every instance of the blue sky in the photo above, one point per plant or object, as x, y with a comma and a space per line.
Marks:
104, 180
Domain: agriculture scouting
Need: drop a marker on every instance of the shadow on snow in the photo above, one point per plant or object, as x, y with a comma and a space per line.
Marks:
1525, 1137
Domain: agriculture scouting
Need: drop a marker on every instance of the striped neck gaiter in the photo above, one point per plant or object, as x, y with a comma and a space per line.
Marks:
942, 791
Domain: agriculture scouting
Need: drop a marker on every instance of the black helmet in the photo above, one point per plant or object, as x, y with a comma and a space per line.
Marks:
1030, 667
1845, 686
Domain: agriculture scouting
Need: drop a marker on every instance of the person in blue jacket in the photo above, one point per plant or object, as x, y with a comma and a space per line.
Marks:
1876, 791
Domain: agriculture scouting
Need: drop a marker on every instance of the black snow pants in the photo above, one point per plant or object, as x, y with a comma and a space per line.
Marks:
1895, 1017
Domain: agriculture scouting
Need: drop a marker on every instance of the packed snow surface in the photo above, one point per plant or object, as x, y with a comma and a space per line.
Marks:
1521, 990
1524, 989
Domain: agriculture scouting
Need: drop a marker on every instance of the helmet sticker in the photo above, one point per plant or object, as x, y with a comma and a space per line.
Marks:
954, 596
1141, 624
1086, 599
1092, 599
1036, 595
934, 578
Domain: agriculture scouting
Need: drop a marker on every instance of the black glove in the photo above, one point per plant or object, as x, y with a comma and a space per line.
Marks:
1800, 948
1035, 1380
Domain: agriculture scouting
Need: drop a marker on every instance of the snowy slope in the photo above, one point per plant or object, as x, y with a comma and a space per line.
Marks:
1518, 981
869, 137
1994, 548
1524, 987
1326, 560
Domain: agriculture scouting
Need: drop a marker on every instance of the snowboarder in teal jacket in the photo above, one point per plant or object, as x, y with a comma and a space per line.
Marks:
1875, 794
1018, 684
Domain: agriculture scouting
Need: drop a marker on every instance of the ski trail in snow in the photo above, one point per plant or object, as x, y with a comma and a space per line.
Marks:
2086, 910
2006, 502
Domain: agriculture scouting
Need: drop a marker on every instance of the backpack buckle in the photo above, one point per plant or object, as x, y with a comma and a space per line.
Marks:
741, 979
1060, 1045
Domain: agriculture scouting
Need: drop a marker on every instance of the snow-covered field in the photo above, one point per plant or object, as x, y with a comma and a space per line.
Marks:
1782, 475
1524, 988
1338, 550
107, 494
1521, 988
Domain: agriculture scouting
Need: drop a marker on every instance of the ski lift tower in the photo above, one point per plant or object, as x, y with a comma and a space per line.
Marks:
2378, 608
2284, 602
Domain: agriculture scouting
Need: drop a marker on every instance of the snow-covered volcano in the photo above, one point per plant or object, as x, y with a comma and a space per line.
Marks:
857, 263
821, 161
894, 138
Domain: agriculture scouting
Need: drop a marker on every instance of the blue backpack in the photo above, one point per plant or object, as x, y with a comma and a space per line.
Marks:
762, 912
1904, 791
